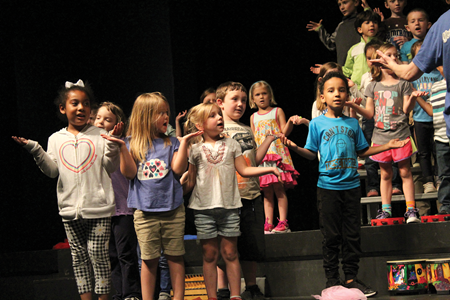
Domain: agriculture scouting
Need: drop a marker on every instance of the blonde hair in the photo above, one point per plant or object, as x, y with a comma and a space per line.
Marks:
142, 124
374, 69
258, 84
324, 70
118, 112
198, 115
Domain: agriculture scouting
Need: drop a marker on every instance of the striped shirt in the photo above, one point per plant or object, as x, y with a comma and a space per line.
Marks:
437, 101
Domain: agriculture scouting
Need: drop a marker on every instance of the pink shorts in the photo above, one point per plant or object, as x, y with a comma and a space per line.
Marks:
397, 154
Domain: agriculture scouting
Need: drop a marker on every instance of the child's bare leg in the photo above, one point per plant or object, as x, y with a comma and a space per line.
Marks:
282, 200
176, 267
222, 281
86, 296
148, 278
407, 179
268, 203
210, 255
386, 182
228, 247
103, 297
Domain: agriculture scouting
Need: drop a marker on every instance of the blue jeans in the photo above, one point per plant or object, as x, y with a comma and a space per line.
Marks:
165, 282
443, 164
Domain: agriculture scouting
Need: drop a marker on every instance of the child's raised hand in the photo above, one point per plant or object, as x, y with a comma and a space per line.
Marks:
316, 69
117, 130
20, 140
396, 143
189, 136
350, 83
296, 120
113, 139
419, 93
364, 4
378, 12
357, 100
180, 115
312, 26
400, 40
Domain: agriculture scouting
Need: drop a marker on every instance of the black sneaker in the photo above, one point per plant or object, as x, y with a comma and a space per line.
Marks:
358, 284
333, 282
252, 293
223, 294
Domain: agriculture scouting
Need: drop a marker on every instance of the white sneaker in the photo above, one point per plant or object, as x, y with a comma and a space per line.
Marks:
429, 188
412, 216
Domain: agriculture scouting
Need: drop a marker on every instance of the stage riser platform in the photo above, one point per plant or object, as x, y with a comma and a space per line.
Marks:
293, 266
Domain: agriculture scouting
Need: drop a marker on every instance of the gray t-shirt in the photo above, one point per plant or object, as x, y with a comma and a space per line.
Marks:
391, 122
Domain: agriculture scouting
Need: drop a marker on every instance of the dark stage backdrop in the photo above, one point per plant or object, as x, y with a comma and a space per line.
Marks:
124, 48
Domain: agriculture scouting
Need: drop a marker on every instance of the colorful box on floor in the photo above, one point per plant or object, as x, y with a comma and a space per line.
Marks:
438, 273
407, 276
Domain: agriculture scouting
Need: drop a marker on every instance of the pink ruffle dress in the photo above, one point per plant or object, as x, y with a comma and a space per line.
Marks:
278, 154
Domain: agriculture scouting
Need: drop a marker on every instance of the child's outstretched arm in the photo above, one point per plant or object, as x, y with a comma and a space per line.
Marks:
128, 166
308, 154
286, 127
410, 101
246, 171
178, 127
394, 143
366, 112
111, 158
44, 160
329, 40
179, 160
427, 107
262, 150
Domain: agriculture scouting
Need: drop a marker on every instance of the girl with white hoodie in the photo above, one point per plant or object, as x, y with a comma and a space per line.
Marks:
83, 161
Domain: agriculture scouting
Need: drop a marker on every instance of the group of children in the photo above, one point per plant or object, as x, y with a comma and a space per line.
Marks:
121, 182
384, 104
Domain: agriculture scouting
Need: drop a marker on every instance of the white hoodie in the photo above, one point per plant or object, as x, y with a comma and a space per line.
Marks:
84, 164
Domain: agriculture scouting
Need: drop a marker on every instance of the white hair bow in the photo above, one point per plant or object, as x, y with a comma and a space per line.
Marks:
78, 83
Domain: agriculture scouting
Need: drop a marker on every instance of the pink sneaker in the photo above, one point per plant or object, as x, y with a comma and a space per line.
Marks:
268, 227
282, 227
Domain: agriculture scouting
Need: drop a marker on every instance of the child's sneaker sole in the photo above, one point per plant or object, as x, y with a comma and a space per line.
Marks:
284, 231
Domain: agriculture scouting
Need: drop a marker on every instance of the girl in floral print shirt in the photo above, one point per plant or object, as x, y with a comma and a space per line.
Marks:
213, 162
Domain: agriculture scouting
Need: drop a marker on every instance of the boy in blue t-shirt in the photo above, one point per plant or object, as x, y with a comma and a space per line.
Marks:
340, 141
418, 25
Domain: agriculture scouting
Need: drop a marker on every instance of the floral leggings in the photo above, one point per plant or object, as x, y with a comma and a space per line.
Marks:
89, 240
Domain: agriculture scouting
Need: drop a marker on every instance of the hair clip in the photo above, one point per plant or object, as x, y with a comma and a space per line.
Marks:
78, 83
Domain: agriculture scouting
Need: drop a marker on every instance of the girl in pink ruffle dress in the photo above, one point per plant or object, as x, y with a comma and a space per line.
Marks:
272, 121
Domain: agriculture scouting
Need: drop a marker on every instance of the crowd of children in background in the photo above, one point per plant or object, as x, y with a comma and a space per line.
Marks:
122, 181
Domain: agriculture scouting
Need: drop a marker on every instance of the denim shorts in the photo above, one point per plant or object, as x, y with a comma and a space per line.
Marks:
217, 221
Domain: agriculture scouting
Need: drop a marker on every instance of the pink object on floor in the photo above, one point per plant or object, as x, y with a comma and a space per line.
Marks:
339, 292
